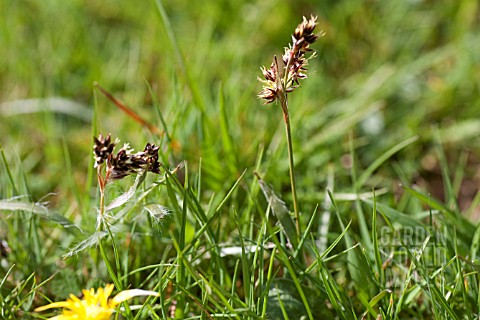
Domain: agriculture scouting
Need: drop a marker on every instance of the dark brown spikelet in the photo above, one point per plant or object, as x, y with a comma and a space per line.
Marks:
124, 162
102, 149
269, 91
303, 35
151, 156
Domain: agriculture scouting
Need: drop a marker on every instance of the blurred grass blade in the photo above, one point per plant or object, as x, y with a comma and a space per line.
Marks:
21, 287
227, 141
54, 104
324, 223
448, 188
459, 131
348, 196
295, 281
475, 244
465, 228
246, 269
38, 209
109, 266
380, 160
9, 172
428, 200
380, 272
323, 256
159, 112
197, 96
357, 263
69, 175
401, 219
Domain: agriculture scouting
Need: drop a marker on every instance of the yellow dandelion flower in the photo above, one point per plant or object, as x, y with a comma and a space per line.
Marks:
94, 305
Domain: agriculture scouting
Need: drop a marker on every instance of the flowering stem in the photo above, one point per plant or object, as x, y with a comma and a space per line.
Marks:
281, 80
102, 202
286, 117
101, 184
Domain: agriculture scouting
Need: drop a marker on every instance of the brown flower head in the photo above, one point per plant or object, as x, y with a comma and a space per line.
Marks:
269, 92
151, 156
294, 63
303, 35
125, 162
102, 149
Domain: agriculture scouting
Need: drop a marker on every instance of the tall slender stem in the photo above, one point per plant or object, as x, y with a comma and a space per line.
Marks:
279, 80
102, 203
101, 184
286, 118
282, 98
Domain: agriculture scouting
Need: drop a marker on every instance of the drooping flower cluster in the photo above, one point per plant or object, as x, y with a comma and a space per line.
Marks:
94, 305
282, 80
125, 162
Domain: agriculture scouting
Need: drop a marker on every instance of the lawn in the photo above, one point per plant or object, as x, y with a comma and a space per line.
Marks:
366, 209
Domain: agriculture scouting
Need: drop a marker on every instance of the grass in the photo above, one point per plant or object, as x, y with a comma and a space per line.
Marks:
385, 139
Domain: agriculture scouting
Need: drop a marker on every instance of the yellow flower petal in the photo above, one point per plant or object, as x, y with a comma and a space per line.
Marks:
60, 304
94, 305
128, 294
63, 317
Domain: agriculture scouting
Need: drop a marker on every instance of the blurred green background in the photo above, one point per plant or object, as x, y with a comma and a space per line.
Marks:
385, 71
391, 73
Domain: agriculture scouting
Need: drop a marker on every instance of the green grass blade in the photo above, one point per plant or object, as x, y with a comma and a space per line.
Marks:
227, 140
293, 274
365, 235
165, 20
306, 233
396, 217
378, 258
281, 212
9, 173
449, 191
38, 209
357, 263
246, 267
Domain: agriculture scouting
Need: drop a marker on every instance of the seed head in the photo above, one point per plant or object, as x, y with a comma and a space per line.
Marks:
303, 35
102, 149
125, 162
294, 63
269, 91
151, 156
